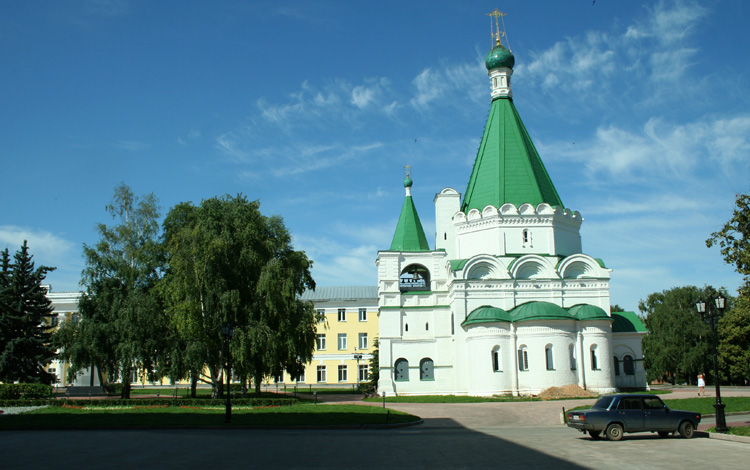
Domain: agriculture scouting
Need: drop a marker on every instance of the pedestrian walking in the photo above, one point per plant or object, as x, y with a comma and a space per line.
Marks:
701, 385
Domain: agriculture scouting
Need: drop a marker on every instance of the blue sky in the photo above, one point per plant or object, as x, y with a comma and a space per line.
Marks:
639, 110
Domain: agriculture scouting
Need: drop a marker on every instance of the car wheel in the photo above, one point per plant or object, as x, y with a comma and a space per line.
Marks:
687, 430
614, 432
663, 433
595, 434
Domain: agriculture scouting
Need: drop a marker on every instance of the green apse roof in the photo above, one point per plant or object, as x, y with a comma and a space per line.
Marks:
409, 234
486, 314
508, 167
627, 322
536, 310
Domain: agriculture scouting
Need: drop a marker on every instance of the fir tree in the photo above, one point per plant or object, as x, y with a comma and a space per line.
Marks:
26, 319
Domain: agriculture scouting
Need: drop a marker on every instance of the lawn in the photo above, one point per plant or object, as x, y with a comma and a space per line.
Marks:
189, 417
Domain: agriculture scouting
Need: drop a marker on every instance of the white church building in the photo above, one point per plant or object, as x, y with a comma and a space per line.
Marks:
507, 303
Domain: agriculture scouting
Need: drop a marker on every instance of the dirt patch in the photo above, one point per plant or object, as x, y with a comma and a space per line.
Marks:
566, 391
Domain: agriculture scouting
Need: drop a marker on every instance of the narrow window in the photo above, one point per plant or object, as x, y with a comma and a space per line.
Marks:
364, 372
342, 341
406, 327
362, 314
321, 373
617, 366
321, 315
427, 326
572, 351
453, 327
548, 357
342, 314
523, 359
426, 369
628, 366
496, 359
320, 341
401, 370
363, 341
343, 373
594, 361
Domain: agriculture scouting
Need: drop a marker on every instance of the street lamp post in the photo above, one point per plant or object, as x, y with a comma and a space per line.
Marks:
711, 313
358, 357
227, 331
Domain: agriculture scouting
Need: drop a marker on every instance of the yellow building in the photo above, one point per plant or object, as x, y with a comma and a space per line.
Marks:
345, 339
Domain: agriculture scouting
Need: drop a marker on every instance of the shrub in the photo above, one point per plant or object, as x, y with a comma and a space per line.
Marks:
26, 391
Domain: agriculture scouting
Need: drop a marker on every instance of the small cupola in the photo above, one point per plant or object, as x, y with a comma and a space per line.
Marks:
499, 60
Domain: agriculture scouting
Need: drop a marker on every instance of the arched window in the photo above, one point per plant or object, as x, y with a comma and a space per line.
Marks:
594, 359
401, 370
426, 369
523, 358
617, 365
414, 277
627, 365
548, 357
572, 354
496, 363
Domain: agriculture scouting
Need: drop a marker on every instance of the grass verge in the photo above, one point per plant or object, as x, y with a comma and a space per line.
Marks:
735, 431
183, 417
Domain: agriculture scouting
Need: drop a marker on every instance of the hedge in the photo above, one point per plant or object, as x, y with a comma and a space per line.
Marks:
254, 402
24, 391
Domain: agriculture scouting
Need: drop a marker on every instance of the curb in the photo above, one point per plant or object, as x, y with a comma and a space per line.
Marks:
728, 437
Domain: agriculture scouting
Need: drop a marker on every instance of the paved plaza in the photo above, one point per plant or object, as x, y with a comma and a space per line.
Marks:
478, 435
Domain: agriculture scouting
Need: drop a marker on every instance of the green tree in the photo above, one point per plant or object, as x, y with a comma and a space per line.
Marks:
227, 263
678, 345
734, 345
371, 388
26, 320
122, 323
734, 238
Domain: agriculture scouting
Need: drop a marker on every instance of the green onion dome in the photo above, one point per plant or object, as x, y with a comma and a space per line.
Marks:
408, 182
499, 57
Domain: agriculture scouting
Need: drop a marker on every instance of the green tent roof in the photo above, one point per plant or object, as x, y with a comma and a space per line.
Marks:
627, 322
409, 234
508, 167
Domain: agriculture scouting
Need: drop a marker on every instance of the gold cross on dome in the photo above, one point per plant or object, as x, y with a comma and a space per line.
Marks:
407, 167
495, 31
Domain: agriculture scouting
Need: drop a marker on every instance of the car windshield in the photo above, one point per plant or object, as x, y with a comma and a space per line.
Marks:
603, 403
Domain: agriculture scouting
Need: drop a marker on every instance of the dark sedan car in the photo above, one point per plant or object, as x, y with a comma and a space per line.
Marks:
615, 414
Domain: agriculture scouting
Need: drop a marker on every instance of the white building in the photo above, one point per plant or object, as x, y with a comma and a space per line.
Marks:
507, 302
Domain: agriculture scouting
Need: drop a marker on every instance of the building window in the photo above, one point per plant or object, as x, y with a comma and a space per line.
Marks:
628, 366
617, 366
496, 367
594, 360
342, 341
363, 341
364, 372
342, 314
548, 357
320, 341
343, 373
301, 377
526, 237
573, 362
362, 314
321, 315
401, 370
453, 328
406, 327
426, 369
523, 358
427, 326
321, 373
